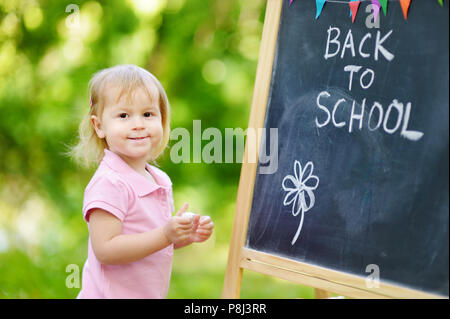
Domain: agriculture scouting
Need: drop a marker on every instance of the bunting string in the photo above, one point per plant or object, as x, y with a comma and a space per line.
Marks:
379, 4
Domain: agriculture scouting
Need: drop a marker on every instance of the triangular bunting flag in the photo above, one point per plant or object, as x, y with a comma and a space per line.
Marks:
405, 5
354, 4
441, 2
384, 5
376, 10
290, 2
319, 6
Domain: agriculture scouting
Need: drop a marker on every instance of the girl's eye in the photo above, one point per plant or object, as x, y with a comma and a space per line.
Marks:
123, 115
147, 114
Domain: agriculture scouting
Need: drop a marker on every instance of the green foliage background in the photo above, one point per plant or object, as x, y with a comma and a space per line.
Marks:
203, 52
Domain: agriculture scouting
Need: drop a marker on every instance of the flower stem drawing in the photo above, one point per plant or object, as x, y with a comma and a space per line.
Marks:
299, 188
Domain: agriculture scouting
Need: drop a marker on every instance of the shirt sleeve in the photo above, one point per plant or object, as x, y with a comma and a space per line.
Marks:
107, 194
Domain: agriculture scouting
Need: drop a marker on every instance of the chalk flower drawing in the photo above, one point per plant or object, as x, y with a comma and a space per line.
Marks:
300, 188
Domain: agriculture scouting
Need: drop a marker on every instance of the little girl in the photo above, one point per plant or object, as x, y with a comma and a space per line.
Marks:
128, 203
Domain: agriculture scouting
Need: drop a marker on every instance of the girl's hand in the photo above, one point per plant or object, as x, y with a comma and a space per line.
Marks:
179, 228
204, 229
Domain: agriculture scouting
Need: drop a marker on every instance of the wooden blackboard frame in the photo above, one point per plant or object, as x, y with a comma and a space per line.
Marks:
240, 257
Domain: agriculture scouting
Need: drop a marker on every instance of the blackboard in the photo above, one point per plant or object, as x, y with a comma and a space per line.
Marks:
381, 186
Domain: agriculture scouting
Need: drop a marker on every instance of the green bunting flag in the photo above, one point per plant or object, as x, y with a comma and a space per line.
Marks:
384, 5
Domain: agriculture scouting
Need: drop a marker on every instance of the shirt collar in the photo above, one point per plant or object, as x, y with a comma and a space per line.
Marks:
141, 185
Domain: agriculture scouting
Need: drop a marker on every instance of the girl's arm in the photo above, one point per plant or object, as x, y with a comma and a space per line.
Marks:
113, 248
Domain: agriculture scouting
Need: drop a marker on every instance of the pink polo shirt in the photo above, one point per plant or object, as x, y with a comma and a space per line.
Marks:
141, 206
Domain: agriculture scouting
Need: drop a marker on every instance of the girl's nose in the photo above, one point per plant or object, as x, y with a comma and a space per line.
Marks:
138, 123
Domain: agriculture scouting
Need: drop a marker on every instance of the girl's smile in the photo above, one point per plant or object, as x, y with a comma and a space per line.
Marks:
139, 138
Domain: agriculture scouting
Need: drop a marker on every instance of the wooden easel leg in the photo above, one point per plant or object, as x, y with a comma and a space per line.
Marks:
232, 284
321, 294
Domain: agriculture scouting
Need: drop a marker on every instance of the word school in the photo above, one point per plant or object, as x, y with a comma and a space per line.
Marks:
376, 118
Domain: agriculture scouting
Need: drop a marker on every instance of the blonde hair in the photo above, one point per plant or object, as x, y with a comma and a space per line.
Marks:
89, 149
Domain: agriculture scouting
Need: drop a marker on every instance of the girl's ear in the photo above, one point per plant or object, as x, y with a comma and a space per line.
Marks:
97, 126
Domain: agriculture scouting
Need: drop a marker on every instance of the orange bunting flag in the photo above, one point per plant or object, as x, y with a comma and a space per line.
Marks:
405, 5
354, 4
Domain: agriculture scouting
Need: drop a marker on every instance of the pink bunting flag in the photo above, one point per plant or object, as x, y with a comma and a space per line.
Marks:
290, 2
376, 10
354, 4
405, 5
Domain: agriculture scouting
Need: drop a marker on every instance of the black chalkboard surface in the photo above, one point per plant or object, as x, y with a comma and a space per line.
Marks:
363, 160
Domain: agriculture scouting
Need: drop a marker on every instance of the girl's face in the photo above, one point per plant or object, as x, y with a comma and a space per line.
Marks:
132, 129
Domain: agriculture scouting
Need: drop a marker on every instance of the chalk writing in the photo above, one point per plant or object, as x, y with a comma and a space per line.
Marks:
378, 118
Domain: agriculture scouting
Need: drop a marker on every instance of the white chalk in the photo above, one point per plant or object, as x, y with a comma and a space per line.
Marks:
188, 214
203, 218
